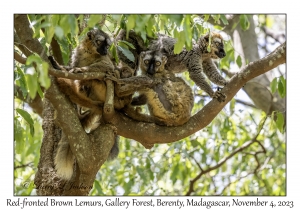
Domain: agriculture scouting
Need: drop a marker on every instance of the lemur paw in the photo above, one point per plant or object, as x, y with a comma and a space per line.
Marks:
112, 78
76, 70
219, 96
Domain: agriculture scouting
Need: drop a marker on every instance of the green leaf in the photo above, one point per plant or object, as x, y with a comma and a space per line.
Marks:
206, 17
188, 31
113, 51
43, 75
239, 61
59, 32
127, 53
280, 121
281, 89
31, 81
94, 19
262, 121
22, 81
141, 173
26, 116
174, 173
127, 43
224, 19
18, 130
98, 187
180, 36
282, 85
244, 22
216, 18
195, 143
130, 22
273, 85
40, 92
34, 58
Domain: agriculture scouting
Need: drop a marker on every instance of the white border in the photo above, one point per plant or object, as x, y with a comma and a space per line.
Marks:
8, 8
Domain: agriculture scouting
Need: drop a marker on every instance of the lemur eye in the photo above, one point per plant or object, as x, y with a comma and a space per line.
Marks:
146, 61
157, 63
98, 42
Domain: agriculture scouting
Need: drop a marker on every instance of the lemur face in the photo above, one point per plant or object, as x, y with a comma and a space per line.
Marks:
217, 46
100, 40
152, 62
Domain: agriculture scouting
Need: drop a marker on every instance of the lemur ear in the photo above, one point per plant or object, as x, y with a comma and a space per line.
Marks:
143, 54
89, 34
164, 58
206, 37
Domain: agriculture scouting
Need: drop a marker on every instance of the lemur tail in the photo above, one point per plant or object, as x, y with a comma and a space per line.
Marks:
64, 159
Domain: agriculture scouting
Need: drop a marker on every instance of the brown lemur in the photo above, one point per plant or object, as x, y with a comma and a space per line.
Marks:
169, 99
196, 61
91, 55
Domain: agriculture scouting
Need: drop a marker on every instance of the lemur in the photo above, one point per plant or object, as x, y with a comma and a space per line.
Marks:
91, 55
196, 61
169, 99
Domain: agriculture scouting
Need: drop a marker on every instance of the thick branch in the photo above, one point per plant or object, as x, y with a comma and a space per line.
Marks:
19, 58
149, 133
76, 76
25, 34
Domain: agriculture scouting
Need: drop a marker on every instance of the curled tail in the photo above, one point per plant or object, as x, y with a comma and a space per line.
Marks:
64, 159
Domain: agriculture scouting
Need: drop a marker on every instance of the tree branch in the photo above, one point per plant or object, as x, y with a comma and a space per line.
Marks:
150, 133
224, 160
76, 76
19, 58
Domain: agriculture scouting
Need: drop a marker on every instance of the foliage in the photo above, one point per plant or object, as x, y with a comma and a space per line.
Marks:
165, 169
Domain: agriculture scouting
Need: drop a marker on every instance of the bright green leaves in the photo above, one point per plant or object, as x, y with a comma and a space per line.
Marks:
37, 71
183, 34
94, 19
280, 85
244, 22
188, 31
279, 121
274, 85
145, 25
68, 23
239, 61
123, 47
31, 81
224, 19
130, 22
180, 37
26, 116
18, 130
126, 52
114, 52
21, 81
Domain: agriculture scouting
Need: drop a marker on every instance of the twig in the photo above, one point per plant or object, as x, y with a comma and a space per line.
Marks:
76, 76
